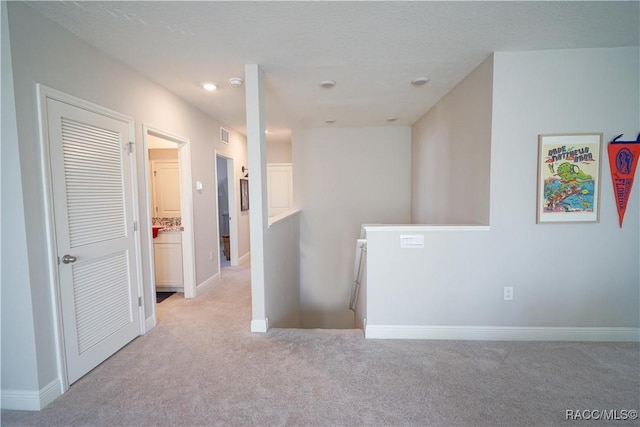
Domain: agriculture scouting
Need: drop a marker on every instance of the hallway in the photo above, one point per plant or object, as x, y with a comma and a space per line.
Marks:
202, 366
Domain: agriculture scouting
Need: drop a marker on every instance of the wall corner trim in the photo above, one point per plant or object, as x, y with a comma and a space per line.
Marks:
31, 400
260, 326
502, 333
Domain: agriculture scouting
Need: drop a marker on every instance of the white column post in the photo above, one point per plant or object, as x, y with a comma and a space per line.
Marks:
257, 153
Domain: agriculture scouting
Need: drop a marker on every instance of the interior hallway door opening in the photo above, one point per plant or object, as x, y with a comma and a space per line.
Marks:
226, 214
158, 139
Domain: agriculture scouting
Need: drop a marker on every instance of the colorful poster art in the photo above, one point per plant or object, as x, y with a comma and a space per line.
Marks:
623, 160
569, 178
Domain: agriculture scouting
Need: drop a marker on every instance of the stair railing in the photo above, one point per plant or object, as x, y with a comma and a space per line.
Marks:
358, 270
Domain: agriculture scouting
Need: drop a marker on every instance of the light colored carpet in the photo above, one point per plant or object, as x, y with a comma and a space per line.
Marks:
202, 366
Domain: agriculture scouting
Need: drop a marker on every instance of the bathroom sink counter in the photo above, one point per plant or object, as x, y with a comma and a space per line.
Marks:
171, 229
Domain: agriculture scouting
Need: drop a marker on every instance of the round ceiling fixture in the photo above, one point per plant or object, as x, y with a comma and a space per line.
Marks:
327, 84
419, 81
236, 81
209, 86
392, 119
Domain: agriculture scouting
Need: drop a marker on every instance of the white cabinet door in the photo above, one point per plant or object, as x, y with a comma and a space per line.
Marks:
166, 188
167, 256
279, 187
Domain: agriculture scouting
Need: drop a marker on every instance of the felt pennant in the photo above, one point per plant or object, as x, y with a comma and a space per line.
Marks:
623, 159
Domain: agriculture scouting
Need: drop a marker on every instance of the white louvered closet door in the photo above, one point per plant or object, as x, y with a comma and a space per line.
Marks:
93, 208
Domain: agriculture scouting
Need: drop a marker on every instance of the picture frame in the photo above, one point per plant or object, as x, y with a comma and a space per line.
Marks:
569, 178
244, 194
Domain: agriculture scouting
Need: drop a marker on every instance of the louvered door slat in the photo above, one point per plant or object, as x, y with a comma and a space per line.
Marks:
93, 179
101, 289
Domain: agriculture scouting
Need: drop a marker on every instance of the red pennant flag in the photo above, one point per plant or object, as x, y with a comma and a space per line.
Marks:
623, 159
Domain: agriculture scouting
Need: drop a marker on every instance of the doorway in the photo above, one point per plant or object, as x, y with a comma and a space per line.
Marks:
223, 212
169, 156
227, 209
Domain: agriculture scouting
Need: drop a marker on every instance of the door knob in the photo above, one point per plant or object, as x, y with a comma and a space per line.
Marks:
69, 259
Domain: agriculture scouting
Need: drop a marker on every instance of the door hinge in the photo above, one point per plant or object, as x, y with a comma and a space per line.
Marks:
135, 225
139, 301
155, 173
129, 147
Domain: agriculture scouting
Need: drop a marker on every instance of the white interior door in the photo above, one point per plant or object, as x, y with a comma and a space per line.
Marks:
279, 187
93, 208
166, 188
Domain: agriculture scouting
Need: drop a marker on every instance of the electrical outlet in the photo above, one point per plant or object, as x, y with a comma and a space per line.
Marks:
508, 293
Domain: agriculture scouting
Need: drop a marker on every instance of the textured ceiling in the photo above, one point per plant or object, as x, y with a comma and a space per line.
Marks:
372, 49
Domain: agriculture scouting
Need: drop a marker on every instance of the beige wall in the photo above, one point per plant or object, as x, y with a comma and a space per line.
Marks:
451, 147
19, 352
282, 272
343, 178
163, 154
564, 275
278, 151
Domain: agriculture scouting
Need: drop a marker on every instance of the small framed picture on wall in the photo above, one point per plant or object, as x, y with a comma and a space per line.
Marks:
244, 194
569, 177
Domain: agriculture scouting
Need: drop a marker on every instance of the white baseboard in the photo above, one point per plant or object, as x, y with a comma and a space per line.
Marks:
31, 400
149, 323
501, 333
244, 258
50, 392
260, 325
208, 284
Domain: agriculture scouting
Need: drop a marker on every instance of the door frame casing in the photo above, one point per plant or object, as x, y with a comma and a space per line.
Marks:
43, 93
186, 206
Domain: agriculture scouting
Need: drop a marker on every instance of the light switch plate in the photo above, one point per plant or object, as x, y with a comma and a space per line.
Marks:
412, 241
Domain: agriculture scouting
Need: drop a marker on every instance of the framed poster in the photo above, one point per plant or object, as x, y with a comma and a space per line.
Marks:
569, 177
244, 194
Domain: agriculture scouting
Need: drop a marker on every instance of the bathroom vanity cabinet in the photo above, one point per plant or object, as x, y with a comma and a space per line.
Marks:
167, 251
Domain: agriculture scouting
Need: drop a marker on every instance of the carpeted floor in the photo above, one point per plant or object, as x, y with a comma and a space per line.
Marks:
202, 366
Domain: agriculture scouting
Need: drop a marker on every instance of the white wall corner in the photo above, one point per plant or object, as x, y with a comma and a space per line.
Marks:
260, 326
31, 400
208, 284
502, 333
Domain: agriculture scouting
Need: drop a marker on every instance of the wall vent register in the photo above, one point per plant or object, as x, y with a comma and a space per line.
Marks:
224, 135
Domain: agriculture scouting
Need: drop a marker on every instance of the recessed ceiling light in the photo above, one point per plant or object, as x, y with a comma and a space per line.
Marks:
209, 86
327, 84
419, 81
392, 119
236, 81
330, 121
